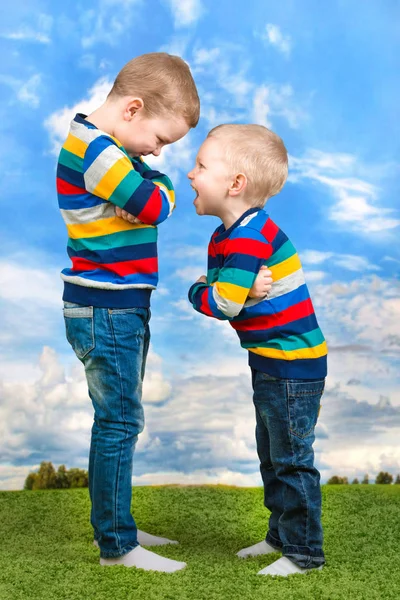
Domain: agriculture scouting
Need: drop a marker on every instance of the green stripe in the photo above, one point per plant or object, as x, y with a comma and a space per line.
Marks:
70, 160
284, 252
125, 188
212, 275
237, 277
293, 342
131, 237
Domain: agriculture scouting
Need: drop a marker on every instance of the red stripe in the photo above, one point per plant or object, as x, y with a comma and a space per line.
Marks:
152, 209
293, 313
63, 187
127, 267
205, 305
211, 250
248, 246
270, 230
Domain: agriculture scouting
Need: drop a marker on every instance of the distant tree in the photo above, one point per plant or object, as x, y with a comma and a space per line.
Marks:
62, 481
29, 481
336, 480
384, 477
78, 478
355, 480
366, 479
46, 477
397, 479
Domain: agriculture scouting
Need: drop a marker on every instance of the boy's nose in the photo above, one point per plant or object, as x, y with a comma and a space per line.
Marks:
157, 152
190, 174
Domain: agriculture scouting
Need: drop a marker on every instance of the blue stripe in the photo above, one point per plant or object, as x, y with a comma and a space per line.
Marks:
280, 239
298, 327
106, 276
114, 255
302, 368
138, 200
70, 176
88, 296
275, 305
77, 201
96, 147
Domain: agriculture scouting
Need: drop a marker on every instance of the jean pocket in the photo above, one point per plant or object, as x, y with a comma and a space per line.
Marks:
79, 327
304, 402
143, 313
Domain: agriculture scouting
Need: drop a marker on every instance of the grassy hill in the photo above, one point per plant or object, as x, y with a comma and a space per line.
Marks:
47, 554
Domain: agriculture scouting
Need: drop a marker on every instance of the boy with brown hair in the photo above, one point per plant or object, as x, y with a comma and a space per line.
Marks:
101, 177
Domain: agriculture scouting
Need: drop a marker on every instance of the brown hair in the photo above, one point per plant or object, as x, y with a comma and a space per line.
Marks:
165, 84
258, 153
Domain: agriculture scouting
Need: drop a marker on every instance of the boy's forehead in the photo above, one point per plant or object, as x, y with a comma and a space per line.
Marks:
210, 147
172, 128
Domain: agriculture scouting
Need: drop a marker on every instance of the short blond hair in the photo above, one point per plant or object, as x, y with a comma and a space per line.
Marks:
259, 154
165, 84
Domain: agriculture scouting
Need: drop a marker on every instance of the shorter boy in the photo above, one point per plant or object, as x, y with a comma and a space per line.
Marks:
237, 169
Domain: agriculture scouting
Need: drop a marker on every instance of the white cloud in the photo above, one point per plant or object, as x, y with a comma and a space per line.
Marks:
26, 92
356, 199
186, 12
315, 275
366, 310
201, 476
39, 33
58, 122
278, 101
107, 22
39, 285
350, 262
275, 37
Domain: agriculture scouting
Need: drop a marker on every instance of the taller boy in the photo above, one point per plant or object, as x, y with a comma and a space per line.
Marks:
153, 102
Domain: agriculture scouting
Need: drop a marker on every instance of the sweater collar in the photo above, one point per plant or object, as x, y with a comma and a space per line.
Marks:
225, 233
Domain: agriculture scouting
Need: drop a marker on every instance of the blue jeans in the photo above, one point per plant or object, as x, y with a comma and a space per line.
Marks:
286, 414
112, 344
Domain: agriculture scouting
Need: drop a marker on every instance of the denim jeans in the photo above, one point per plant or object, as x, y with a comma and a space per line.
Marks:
286, 414
112, 344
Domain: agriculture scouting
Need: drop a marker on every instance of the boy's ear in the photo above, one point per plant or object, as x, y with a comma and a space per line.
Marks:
132, 107
238, 184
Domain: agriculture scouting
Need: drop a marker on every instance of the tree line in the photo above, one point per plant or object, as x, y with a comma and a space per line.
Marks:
382, 477
47, 478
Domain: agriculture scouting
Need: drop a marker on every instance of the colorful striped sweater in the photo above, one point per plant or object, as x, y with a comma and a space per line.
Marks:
114, 262
281, 331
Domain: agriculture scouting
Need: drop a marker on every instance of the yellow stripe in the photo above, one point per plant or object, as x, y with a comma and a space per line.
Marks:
101, 227
232, 292
315, 352
170, 193
113, 178
75, 145
115, 140
286, 267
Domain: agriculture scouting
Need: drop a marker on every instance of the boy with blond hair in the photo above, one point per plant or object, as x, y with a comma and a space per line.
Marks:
238, 168
101, 177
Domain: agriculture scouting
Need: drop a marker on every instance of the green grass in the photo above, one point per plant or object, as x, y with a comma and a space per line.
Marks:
47, 553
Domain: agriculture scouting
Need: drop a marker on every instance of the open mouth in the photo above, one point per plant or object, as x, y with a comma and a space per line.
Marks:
197, 193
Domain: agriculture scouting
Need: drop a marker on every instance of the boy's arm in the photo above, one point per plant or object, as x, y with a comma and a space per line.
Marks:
110, 175
225, 298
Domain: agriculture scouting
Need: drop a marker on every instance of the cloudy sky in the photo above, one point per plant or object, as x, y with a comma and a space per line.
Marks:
322, 75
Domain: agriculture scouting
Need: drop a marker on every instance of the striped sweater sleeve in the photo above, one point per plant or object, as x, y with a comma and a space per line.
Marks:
225, 298
110, 174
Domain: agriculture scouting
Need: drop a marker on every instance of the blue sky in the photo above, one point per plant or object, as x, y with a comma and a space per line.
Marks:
323, 76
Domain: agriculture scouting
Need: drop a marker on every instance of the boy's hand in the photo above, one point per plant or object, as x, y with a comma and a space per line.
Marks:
262, 284
126, 216
202, 279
